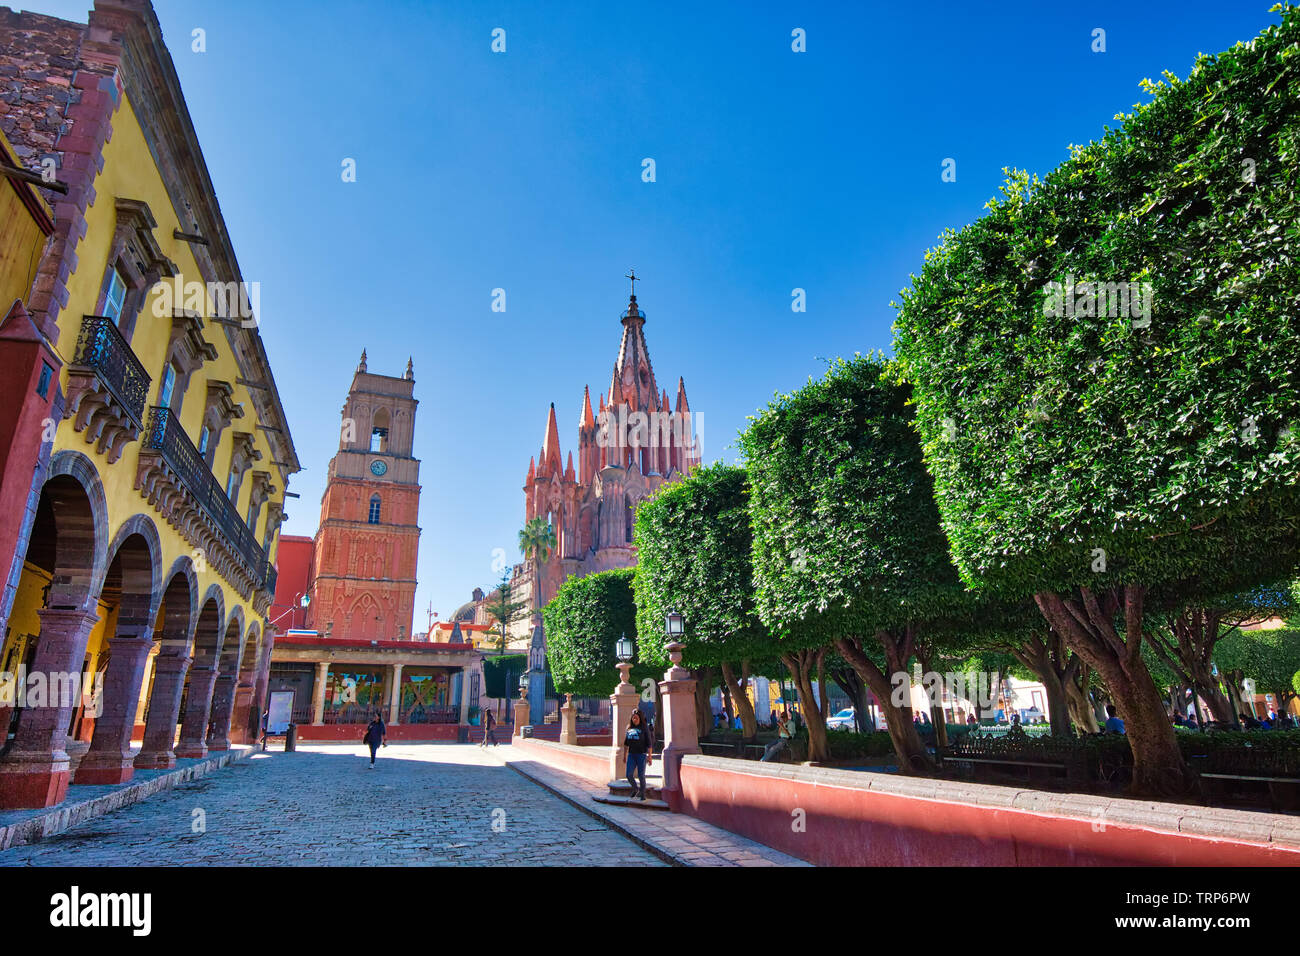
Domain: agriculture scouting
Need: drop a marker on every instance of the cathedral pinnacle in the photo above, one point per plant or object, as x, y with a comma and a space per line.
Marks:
410, 369
361, 366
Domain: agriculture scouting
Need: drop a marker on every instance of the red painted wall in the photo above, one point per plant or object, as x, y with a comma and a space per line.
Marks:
293, 579
593, 766
856, 827
22, 412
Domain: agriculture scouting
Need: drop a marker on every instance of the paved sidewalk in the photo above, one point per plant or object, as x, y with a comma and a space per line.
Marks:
423, 805
677, 838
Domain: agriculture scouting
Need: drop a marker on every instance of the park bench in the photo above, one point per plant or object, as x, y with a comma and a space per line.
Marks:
1281, 790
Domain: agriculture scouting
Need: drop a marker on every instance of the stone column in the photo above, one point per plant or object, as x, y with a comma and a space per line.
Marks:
621, 704
464, 695
143, 700
395, 697
164, 708
35, 772
681, 733
521, 713
109, 757
223, 709
318, 693
569, 722
198, 708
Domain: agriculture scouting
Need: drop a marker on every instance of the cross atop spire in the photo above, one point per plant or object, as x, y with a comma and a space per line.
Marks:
632, 275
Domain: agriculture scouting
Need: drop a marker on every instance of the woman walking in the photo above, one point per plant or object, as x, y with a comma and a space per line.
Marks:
638, 742
374, 736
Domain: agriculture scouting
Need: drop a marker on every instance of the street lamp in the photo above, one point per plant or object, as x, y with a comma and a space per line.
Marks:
674, 625
624, 648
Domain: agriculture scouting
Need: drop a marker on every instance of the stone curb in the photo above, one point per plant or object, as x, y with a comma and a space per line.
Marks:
592, 809
66, 816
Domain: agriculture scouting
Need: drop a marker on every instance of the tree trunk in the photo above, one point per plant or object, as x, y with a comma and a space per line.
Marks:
934, 695
912, 755
726, 704
1081, 711
1053, 664
744, 707
849, 682
801, 664
703, 712
1232, 681
1088, 625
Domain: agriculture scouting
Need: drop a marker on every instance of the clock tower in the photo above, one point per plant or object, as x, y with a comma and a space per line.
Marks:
366, 548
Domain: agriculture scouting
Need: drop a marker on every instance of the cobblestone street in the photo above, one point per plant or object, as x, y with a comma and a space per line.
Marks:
424, 805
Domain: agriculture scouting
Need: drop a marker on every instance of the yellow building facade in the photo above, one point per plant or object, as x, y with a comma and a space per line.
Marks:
147, 562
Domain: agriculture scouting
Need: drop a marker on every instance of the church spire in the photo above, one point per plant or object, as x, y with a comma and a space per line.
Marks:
361, 366
410, 369
587, 419
682, 404
551, 446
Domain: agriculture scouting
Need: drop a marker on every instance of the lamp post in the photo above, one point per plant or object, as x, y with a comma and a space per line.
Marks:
621, 704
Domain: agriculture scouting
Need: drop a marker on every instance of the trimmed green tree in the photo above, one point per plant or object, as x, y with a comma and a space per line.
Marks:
693, 556
1107, 372
847, 544
1270, 658
583, 623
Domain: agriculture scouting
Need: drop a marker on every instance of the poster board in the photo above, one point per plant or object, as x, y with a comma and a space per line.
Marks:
281, 712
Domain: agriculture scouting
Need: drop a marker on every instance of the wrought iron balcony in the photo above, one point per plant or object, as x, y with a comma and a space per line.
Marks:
107, 387
177, 481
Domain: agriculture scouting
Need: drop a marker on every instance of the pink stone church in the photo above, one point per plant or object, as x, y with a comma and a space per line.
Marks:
636, 441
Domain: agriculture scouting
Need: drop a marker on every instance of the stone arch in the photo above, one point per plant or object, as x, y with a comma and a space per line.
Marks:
143, 526
71, 531
131, 589
232, 641
196, 708
209, 629
179, 607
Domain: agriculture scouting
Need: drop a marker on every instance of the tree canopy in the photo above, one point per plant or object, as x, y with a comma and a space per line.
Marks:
583, 623
693, 555
1058, 428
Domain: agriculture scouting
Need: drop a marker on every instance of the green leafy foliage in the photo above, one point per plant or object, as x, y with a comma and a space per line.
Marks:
693, 556
501, 675
1269, 657
1171, 446
583, 623
846, 534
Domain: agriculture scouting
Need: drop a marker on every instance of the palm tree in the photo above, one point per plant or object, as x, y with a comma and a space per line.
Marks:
537, 539
536, 542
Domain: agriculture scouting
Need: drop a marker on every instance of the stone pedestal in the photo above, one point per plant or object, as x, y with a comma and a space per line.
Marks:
569, 722
223, 709
521, 716
680, 731
169, 672
622, 702
36, 771
109, 758
198, 707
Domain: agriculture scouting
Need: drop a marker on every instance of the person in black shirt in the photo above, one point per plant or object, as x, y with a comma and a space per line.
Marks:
374, 736
637, 741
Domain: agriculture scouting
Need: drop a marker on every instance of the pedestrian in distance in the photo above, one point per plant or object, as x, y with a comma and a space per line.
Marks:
374, 736
638, 742
784, 734
266, 725
489, 729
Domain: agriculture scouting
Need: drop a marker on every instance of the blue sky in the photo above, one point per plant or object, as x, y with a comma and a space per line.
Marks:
523, 171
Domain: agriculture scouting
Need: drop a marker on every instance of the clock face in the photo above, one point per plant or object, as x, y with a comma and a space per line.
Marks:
378, 468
